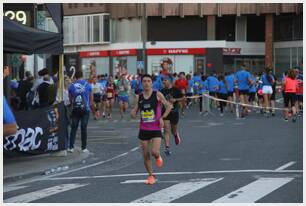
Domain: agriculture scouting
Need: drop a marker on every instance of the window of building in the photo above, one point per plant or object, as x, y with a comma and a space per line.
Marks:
288, 27
255, 28
241, 27
175, 28
87, 29
85, 5
282, 60
70, 6
225, 28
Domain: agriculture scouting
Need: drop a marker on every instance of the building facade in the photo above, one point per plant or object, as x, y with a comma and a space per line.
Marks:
196, 37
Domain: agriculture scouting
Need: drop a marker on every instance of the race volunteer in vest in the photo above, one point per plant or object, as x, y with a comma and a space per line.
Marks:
290, 86
80, 93
243, 80
149, 104
267, 91
174, 96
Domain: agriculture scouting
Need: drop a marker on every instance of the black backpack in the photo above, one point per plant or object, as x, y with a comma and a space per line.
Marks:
79, 103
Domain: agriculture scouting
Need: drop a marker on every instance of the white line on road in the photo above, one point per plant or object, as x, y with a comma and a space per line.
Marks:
285, 166
144, 181
176, 191
32, 196
254, 191
95, 164
176, 173
12, 188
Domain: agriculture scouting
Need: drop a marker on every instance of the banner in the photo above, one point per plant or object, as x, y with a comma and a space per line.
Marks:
39, 131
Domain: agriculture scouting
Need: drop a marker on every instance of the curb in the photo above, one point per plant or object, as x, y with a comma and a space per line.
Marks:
46, 171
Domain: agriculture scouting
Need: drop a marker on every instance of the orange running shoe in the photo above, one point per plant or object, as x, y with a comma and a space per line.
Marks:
150, 180
159, 161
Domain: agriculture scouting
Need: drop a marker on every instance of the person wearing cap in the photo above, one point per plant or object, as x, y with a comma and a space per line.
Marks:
174, 96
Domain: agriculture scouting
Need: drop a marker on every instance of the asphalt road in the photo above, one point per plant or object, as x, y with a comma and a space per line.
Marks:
220, 159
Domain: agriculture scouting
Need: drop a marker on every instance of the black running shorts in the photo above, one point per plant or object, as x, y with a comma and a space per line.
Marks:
145, 135
173, 117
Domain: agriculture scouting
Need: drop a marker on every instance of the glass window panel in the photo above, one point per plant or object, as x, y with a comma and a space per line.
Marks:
294, 60
88, 29
96, 28
225, 28
106, 28
282, 60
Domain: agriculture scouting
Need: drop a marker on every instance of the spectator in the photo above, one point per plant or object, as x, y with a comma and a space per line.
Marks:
24, 87
9, 122
46, 89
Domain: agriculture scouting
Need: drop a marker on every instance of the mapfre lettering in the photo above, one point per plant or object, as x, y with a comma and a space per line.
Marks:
178, 51
24, 140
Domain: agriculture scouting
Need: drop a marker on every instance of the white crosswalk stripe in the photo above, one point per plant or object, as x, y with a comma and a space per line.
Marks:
32, 196
12, 188
176, 191
254, 191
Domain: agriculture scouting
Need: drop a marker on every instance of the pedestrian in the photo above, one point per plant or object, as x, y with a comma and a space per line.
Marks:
46, 89
212, 84
189, 92
24, 87
81, 96
103, 82
273, 93
203, 89
230, 81
123, 97
110, 93
243, 80
290, 86
299, 92
174, 96
9, 122
149, 104
267, 91
196, 85
252, 89
182, 84
222, 93
97, 94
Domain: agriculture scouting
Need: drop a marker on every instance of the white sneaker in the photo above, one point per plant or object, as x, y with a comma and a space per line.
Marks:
85, 150
70, 150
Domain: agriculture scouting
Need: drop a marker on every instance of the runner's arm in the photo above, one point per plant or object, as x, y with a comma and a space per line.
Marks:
166, 104
135, 109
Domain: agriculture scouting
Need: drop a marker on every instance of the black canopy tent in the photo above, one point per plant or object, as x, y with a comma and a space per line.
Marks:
18, 38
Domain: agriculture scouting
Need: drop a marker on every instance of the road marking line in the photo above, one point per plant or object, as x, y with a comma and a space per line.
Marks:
32, 196
176, 191
254, 191
285, 166
175, 173
144, 181
12, 188
95, 164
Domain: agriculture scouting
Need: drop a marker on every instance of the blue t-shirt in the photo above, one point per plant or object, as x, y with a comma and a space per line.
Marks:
81, 87
190, 86
133, 83
230, 81
212, 83
196, 82
157, 85
265, 81
253, 86
204, 86
8, 116
242, 78
222, 88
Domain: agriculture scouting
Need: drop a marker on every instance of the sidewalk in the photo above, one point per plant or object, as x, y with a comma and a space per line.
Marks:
27, 167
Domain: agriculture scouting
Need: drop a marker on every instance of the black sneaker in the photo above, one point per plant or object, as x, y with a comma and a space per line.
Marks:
167, 151
294, 118
285, 119
273, 114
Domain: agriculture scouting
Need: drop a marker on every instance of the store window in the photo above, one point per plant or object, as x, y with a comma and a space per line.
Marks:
125, 65
102, 65
282, 60
255, 28
225, 28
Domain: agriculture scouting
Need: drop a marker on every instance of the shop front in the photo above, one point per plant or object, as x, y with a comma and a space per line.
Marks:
124, 61
188, 60
95, 62
233, 59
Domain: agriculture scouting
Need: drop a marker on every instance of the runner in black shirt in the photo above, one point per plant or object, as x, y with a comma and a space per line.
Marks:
173, 95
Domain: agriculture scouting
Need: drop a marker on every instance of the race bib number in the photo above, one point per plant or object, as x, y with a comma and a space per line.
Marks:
95, 90
109, 95
148, 116
121, 88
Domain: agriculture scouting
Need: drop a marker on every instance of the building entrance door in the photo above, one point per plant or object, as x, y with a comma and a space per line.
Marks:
200, 64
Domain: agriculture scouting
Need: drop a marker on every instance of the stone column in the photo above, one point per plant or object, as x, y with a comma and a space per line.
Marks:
269, 40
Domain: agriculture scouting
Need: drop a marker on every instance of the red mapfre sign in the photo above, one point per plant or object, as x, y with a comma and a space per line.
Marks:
200, 51
231, 51
124, 52
87, 54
